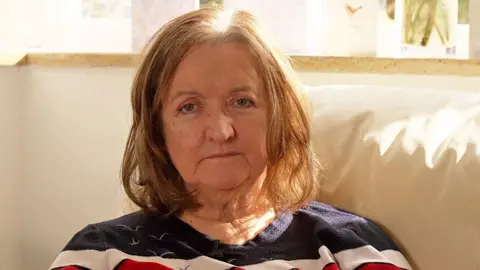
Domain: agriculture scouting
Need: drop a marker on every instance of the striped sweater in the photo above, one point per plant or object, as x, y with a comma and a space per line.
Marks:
316, 237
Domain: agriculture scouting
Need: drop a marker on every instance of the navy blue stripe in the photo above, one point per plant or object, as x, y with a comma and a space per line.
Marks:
289, 237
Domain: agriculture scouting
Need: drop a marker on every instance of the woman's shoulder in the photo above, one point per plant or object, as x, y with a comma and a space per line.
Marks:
353, 230
353, 240
332, 215
126, 234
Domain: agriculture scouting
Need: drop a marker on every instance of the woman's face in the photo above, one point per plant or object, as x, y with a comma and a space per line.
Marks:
215, 118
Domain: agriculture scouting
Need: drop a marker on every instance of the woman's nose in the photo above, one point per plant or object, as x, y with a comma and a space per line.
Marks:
219, 127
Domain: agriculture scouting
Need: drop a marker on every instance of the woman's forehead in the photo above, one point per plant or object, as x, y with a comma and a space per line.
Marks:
226, 66
219, 58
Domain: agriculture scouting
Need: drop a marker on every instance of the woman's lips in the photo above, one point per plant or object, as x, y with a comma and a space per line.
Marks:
222, 155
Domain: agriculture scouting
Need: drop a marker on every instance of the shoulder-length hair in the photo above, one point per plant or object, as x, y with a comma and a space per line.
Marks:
149, 177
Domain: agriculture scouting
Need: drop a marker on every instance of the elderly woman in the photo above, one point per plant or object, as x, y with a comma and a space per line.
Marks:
219, 161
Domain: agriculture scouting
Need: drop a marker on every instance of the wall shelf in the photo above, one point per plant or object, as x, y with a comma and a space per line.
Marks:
301, 63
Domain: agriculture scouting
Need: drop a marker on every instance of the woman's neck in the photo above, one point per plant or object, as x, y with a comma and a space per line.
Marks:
231, 216
234, 228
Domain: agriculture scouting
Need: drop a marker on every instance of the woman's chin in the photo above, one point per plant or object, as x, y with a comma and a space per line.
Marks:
225, 183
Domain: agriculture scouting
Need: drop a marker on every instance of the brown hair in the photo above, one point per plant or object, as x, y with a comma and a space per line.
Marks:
150, 179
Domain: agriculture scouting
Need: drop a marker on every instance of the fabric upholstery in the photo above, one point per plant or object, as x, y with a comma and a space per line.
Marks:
410, 160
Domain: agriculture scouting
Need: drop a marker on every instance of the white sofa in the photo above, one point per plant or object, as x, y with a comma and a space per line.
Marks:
410, 160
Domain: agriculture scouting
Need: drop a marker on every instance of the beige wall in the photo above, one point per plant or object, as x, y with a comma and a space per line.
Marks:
10, 158
75, 124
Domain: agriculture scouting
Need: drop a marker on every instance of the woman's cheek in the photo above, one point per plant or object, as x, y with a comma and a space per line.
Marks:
185, 132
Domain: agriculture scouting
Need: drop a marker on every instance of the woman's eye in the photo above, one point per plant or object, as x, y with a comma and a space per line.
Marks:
187, 108
243, 102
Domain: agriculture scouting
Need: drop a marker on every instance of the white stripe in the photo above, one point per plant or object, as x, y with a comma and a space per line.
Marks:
347, 260
353, 258
91, 259
325, 259
106, 260
109, 259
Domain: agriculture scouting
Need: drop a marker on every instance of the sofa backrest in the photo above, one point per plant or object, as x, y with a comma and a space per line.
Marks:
408, 159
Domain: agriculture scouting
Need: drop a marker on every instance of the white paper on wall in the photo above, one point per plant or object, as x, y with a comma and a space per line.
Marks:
149, 15
296, 26
316, 27
352, 27
474, 29
285, 21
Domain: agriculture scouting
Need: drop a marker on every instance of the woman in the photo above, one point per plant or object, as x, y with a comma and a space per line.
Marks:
220, 163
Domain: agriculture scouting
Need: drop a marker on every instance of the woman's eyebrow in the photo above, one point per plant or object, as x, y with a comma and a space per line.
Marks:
241, 89
181, 93
238, 89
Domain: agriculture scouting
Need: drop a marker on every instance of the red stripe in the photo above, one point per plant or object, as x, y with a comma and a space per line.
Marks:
134, 265
378, 266
332, 266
